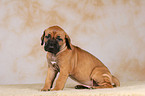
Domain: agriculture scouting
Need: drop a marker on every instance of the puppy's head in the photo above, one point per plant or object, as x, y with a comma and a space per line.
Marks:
55, 39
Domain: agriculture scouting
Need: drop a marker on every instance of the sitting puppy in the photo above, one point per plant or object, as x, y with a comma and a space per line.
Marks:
72, 61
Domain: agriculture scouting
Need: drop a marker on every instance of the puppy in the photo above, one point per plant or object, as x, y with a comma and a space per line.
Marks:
74, 62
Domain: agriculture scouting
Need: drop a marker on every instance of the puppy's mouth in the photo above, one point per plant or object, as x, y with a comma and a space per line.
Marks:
52, 46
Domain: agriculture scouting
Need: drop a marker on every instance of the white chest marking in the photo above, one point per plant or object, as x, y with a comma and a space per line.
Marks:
53, 62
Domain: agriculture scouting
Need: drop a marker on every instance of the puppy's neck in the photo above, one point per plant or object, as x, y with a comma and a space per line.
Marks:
53, 59
64, 47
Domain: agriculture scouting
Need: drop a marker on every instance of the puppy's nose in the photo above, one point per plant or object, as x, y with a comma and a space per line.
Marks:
51, 45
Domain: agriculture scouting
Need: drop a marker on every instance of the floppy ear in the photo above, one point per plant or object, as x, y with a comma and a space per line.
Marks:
67, 40
42, 38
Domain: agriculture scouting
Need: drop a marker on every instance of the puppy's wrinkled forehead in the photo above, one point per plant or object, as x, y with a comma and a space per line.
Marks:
55, 31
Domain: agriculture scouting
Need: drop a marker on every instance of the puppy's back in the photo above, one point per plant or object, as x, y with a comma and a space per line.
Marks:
87, 58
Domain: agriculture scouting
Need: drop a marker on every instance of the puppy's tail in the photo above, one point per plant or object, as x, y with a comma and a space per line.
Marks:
115, 81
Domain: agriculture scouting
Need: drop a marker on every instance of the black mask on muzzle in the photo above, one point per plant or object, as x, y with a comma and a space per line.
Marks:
52, 46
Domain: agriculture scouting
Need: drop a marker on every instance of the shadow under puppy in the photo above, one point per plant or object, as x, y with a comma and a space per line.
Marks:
74, 62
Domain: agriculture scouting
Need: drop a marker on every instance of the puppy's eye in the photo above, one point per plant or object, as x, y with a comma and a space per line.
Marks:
48, 36
58, 38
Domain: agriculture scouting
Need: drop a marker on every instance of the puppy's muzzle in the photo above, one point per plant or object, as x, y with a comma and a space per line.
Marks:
52, 46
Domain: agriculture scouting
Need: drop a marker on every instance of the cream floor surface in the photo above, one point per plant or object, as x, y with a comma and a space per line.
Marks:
126, 89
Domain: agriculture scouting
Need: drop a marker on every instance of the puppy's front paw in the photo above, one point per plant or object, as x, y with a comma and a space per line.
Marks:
55, 89
45, 89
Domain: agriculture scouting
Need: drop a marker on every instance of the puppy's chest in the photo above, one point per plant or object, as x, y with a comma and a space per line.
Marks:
54, 62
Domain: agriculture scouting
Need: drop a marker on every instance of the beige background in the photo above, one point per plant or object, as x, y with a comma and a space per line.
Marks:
112, 30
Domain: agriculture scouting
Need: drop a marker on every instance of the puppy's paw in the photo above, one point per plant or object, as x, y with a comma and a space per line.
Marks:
53, 90
56, 89
45, 89
81, 87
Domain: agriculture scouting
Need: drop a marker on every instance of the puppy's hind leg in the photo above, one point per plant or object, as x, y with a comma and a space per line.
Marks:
93, 83
103, 85
101, 79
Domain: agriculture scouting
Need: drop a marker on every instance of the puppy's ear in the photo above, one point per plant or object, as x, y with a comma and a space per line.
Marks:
67, 40
42, 38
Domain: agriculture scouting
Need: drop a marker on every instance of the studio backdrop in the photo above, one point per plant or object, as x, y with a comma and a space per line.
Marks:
112, 30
